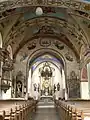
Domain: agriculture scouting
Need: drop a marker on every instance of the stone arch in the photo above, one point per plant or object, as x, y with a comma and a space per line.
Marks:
40, 52
43, 51
48, 61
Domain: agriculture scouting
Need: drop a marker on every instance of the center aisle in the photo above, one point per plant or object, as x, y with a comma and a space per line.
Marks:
46, 112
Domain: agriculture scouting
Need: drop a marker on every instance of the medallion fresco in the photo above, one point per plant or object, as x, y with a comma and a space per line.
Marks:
45, 42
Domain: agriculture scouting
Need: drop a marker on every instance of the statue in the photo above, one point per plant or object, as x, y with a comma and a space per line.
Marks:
48, 90
58, 87
19, 88
54, 88
38, 87
35, 86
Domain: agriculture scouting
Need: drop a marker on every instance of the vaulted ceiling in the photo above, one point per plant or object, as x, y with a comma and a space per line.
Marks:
66, 20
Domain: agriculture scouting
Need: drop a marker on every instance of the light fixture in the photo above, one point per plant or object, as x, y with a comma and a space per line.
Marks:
39, 11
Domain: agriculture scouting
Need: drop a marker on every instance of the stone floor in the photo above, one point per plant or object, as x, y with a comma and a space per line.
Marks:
46, 112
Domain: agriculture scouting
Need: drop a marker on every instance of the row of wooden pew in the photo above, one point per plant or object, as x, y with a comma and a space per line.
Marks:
17, 110
73, 110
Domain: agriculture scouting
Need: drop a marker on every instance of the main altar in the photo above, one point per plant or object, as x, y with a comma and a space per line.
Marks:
46, 80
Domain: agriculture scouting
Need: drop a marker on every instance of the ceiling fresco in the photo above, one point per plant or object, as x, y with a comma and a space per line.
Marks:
67, 20
48, 43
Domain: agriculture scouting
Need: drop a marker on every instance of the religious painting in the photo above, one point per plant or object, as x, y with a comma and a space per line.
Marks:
73, 85
32, 45
24, 56
84, 77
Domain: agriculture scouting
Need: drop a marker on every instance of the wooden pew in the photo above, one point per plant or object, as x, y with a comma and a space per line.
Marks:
70, 111
16, 110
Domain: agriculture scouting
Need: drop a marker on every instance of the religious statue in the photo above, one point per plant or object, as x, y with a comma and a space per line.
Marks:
35, 86
54, 88
38, 87
19, 88
48, 90
58, 87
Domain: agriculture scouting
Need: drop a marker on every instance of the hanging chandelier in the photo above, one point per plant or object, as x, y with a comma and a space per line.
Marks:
39, 11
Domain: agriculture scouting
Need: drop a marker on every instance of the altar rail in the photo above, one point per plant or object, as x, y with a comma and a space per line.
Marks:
73, 110
17, 109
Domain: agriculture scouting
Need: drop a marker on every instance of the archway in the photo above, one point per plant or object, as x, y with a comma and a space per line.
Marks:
46, 83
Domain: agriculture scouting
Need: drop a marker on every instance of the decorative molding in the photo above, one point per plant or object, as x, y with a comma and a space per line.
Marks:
8, 65
31, 45
59, 45
78, 5
4, 54
46, 29
69, 57
45, 42
24, 56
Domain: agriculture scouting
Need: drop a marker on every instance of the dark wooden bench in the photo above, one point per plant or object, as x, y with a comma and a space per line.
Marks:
74, 110
16, 110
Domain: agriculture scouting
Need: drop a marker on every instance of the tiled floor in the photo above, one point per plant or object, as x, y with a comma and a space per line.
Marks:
46, 113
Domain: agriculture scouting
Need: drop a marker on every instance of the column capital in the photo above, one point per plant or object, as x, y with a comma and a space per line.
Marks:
3, 54
8, 65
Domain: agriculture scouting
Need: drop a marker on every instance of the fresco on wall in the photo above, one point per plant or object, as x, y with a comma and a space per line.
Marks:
32, 45
69, 56
73, 84
59, 45
24, 56
84, 77
45, 42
